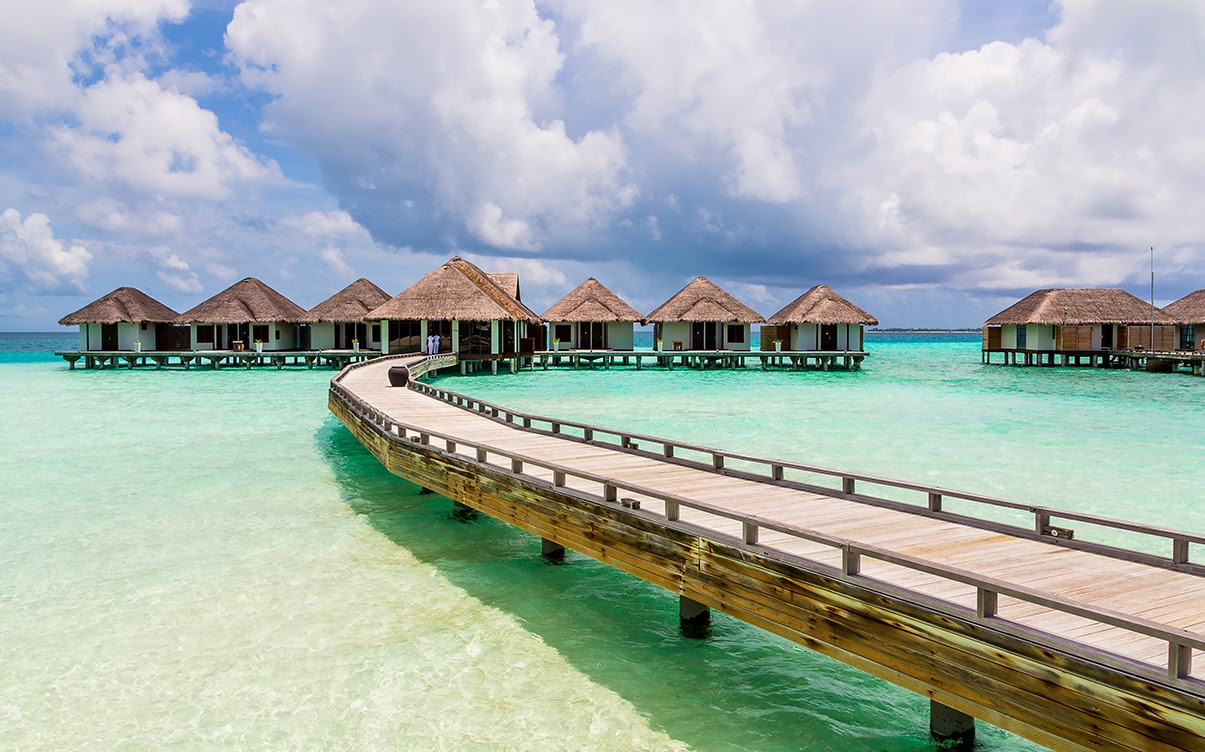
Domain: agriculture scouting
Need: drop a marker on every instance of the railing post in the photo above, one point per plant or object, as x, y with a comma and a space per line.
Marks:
776, 472
1179, 661
481, 454
516, 465
934, 502
556, 427
424, 438
749, 532
1041, 521
847, 484
717, 460
588, 434
609, 492
668, 450
558, 478
987, 603
450, 445
851, 561
625, 441
672, 510
526, 422
1179, 551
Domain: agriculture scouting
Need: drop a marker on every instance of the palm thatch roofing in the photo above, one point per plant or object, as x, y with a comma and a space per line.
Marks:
508, 281
1080, 306
820, 305
591, 302
125, 305
703, 300
458, 290
1189, 309
350, 304
247, 301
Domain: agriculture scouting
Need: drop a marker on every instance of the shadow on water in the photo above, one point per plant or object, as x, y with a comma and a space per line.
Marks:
741, 688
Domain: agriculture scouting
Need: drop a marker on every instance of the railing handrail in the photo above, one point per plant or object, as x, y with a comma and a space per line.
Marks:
848, 478
1180, 641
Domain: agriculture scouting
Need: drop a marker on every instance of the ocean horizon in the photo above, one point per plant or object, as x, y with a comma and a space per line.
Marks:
208, 559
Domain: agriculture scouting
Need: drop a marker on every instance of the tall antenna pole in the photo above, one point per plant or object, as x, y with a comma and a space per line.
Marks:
1152, 298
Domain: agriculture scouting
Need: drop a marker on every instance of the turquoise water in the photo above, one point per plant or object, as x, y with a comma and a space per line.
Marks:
208, 560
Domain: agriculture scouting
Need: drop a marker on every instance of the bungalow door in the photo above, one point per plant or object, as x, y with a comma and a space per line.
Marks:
108, 336
703, 335
593, 335
828, 337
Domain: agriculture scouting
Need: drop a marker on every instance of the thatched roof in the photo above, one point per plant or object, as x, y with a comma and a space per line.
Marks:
1079, 306
508, 281
458, 290
350, 304
1189, 309
703, 300
125, 305
820, 305
248, 301
591, 301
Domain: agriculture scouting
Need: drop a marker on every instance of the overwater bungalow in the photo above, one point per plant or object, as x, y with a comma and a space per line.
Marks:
127, 319
337, 323
1076, 324
591, 317
474, 313
820, 320
245, 315
701, 316
1189, 312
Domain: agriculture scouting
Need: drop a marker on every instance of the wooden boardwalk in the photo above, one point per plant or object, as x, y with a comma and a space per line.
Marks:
1074, 643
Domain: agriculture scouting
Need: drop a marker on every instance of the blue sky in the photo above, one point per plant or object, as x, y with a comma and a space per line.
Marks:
932, 160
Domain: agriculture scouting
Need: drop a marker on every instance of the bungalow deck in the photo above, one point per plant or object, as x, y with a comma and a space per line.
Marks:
215, 359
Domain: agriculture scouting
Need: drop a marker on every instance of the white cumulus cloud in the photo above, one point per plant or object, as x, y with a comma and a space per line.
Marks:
29, 253
433, 117
133, 131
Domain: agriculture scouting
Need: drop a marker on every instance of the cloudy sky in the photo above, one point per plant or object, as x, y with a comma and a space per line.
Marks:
932, 160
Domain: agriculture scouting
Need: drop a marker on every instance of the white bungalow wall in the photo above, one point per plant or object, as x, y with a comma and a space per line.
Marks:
675, 331
744, 344
621, 335
322, 335
90, 336
807, 337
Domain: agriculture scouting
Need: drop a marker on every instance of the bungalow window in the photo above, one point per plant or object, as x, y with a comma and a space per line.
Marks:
563, 332
259, 333
205, 335
736, 334
376, 332
1021, 329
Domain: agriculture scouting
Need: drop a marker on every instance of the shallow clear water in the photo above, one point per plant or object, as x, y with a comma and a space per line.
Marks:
209, 560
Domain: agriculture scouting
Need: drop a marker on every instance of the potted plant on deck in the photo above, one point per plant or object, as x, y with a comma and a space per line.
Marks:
556, 344
137, 345
777, 345
355, 345
259, 345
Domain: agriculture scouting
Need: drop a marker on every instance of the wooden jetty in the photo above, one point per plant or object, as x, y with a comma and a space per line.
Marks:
1161, 361
849, 360
215, 359
993, 609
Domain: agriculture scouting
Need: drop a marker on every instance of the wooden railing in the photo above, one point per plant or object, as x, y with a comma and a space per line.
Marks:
931, 499
1180, 642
